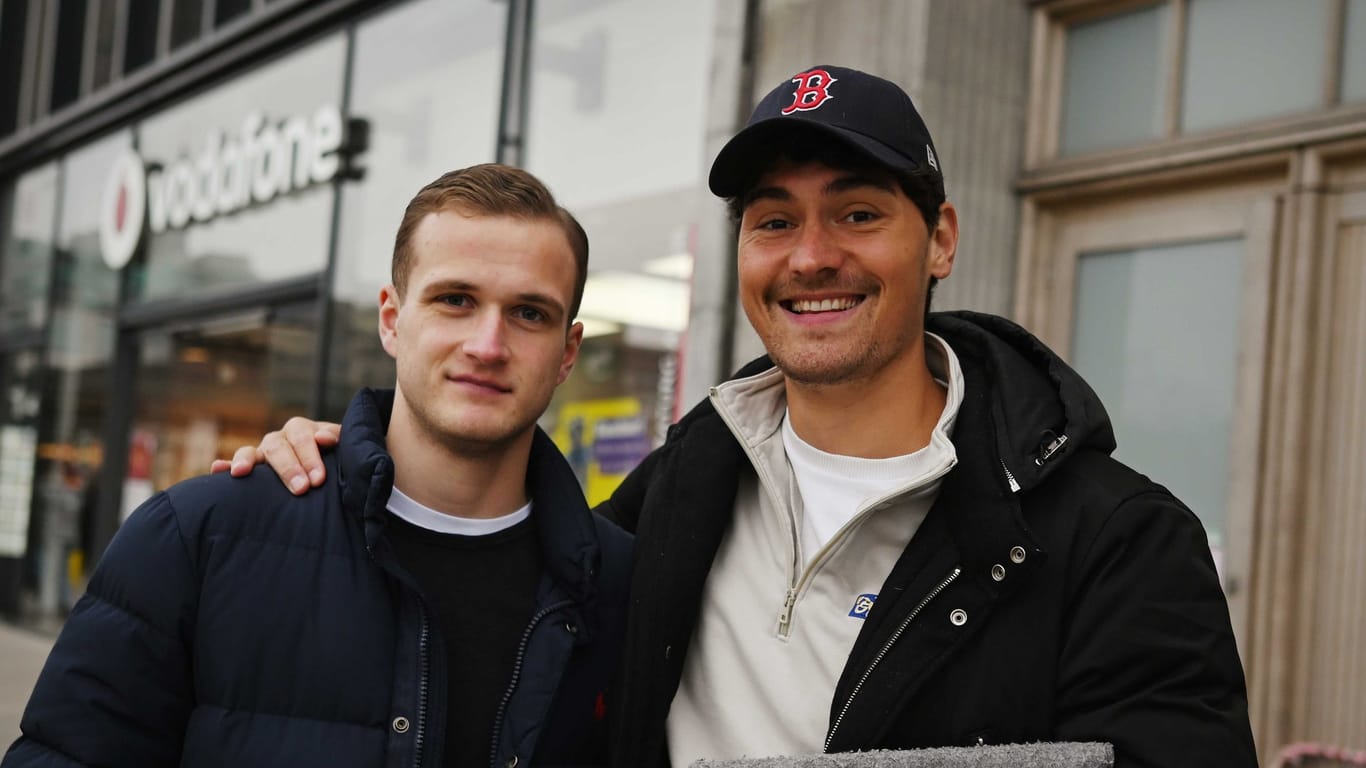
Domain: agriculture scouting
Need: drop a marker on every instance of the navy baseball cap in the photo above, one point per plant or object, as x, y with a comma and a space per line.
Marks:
871, 115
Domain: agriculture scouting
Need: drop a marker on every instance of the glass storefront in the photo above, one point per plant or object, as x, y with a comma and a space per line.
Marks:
26, 259
78, 364
20, 542
27, 253
208, 385
618, 91
180, 286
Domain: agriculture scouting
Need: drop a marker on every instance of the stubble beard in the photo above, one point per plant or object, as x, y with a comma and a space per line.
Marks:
815, 369
839, 359
461, 439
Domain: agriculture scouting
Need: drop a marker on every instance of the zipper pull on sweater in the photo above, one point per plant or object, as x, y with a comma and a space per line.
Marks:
785, 618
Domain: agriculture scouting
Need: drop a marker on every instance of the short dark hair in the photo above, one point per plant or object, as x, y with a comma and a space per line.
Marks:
800, 145
490, 189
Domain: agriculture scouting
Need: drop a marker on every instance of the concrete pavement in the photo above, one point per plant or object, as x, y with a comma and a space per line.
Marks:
21, 658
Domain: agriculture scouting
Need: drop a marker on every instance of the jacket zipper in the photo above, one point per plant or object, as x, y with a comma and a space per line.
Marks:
516, 675
425, 663
802, 572
1010, 478
785, 618
794, 578
885, 648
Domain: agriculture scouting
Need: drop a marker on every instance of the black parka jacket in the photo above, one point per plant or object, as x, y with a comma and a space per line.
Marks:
1052, 594
232, 624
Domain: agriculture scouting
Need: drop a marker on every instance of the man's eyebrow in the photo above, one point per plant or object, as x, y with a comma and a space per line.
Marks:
449, 285
543, 299
438, 287
836, 186
856, 181
767, 193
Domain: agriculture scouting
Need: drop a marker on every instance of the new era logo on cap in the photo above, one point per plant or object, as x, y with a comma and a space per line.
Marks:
867, 113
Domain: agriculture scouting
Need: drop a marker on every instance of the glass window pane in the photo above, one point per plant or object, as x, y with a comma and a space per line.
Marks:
86, 286
207, 386
140, 42
1113, 91
13, 22
227, 10
20, 377
186, 21
627, 157
1354, 53
104, 44
1157, 337
75, 395
1228, 40
408, 64
226, 203
27, 251
66, 64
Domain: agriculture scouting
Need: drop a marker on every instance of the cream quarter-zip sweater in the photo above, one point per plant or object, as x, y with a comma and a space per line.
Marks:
777, 624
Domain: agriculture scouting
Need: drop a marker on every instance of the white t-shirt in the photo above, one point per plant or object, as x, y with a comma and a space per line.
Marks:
404, 508
834, 487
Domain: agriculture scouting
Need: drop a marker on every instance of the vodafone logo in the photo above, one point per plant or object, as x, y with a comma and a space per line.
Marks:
124, 209
232, 170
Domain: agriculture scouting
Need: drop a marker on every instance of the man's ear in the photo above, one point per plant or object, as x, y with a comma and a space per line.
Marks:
389, 306
943, 242
572, 342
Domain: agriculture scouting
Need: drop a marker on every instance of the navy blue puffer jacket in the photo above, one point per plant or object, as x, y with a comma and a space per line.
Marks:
232, 624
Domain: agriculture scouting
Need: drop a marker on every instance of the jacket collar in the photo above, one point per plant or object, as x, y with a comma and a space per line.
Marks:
1032, 397
1040, 411
569, 545
1019, 398
754, 408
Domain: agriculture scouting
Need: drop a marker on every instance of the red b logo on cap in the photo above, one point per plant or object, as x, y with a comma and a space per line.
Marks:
813, 90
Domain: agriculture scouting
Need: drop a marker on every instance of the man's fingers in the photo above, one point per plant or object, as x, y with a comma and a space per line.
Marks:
219, 465
308, 444
304, 436
280, 455
292, 452
328, 434
243, 459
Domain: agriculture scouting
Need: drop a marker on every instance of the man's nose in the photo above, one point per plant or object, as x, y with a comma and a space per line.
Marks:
487, 342
815, 251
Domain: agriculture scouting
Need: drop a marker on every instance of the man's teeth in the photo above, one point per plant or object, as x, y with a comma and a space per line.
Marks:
822, 305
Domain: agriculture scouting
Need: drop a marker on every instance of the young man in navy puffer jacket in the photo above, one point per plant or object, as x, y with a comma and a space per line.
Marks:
448, 600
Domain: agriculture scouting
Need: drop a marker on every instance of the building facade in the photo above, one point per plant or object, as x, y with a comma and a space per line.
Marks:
198, 199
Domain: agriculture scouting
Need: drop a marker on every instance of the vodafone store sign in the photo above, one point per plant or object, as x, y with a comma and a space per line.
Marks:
253, 166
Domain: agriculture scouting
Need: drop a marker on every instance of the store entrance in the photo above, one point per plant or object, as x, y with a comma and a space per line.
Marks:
206, 385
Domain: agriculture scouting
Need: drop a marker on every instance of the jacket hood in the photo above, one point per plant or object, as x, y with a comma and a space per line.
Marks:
1040, 410
564, 524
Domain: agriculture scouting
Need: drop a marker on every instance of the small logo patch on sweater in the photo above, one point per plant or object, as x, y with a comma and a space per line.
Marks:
862, 605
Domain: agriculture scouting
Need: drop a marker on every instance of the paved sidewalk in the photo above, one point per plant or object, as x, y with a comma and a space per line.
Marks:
21, 658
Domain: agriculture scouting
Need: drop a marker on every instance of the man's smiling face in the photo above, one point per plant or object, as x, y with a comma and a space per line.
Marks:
834, 267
